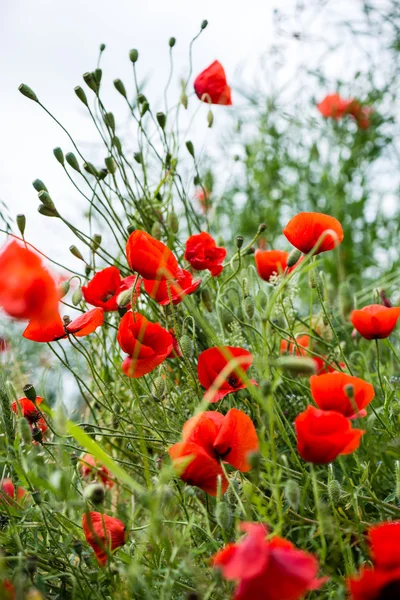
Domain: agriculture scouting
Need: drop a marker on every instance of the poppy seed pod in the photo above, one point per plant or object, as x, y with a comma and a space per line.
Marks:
110, 164
293, 494
119, 86
109, 120
171, 42
161, 119
28, 92
204, 24
95, 492
90, 80
39, 185
72, 161
47, 212
239, 241
81, 94
59, 154
190, 147
145, 107
75, 252
45, 199
96, 241
90, 168
21, 223
98, 74
133, 55
30, 392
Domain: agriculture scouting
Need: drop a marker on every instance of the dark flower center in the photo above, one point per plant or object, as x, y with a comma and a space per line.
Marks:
107, 296
233, 381
390, 591
223, 455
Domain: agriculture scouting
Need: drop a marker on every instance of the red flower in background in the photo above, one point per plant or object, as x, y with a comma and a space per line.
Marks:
304, 231
268, 569
91, 467
176, 351
104, 288
104, 533
299, 347
204, 198
211, 85
30, 411
203, 253
323, 435
329, 393
8, 590
147, 344
181, 286
27, 290
322, 366
43, 331
209, 438
375, 321
8, 488
270, 262
383, 581
149, 257
334, 107
213, 361
361, 114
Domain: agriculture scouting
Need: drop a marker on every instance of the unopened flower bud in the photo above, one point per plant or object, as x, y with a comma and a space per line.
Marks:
159, 387
249, 307
207, 299
28, 92
45, 199
119, 86
109, 120
223, 515
186, 346
81, 94
171, 42
297, 365
47, 212
77, 296
102, 47
72, 161
37, 434
24, 430
64, 288
204, 24
124, 298
98, 74
145, 107
90, 81
30, 392
59, 154
138, 157
293, 494
239, 241
39, 185
210, 118
334, 490
293, 258
161, 119
173, 222
156, 230
96, 241
184, 100
21, 223
134, 55
95, 492
75, 252
190, 147
116, 142
110, 164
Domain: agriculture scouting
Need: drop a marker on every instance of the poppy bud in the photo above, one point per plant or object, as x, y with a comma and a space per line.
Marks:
81, 94
334, 491
171, 42
119, 86
239, 241
206, 299
21, 223
313, 279
134, 55
102, 47
144, 109
37, 434
77, 547
159, 387
293, 494
161, 119
90, 81
109, 120
45, 199
37, 497
90, 168
77, 296
24, 430
204, 24
210, 118
173, 222
75, 252
47, 212
117, 143
190, 147
184, 100
110, 164
124, 298
71, 160
39, 185
293, 258
30, 392
59, 154
138, 157
297, 365
249, 307
98, 74
64, 288
186, 345
96, 241
95, 492
223, 515
28, 92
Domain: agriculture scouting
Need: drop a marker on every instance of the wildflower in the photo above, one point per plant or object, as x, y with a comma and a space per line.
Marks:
203, 253
204, 199
104, 533
322, 366
211, 85
383, 580
91, 467
305, 231
322, 435
30, 411
7, 488
104, 288
329, 393
181, 286
147, 344
27, 289
299, 346
149, 257
209, 438
375, 321
176, 351
361, 114
334, 107
231, 361
269, 569
270, 262
43, 331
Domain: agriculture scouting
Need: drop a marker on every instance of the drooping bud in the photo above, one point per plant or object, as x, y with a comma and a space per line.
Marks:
297, 365
64, 288
190, 147
59, 154
293, 257
90, 81
119, 86
161, 119
124, 298
30, 392
134, 55
72, 161
80, 92
95, 492
21, 223
207, 299
223, 515
77, 296
24, 430
186, 346
109, 120
39, 185
159, 387
96, 241
171, 42
210, 118
156, 230
172, 222
293, 494
75, 252
110, 164
28, 92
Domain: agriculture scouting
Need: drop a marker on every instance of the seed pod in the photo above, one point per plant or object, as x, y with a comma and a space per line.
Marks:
47, 212
116, 142
190, 147
156, 230
293, 258
145, 107
249, 307
186, 346
75, 252
77, 296
72, 161
28, 92
119, 86
223, 515
24, 430
30, 392
59, 154
171, 42
204, 24
210, 118
81, 94
297, 365
292, 494
45, 199
109, 120
96, 241
98, 74
173, 222
134, 55
138, 157
95, 492
161, 119
334, 490
90, 80
90, 168
39, 185
21, 223
207, 299
159, 387
141, 98
110, 164
239, 241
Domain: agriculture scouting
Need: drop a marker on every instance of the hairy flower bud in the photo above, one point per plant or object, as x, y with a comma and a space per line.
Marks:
223, 515
124, 298
293, 258
173, 222
64, 288
293, 494
159, 387
186, 346
77, 296
334, 490
297, 365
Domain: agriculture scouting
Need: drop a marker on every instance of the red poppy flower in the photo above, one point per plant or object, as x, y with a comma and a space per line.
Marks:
270, 262
299, 347
382, 581
225, 358
209, 438
268, 569
211, 85
27, 290
203, 253
176, 351
361, 114
27, 408
204, 198
91, 467
329, 393
322, 366
149, 257
8, 488
334, 107
375, 321
105, 287
104, 533
322, 435
305, 231
148, 344
8, 590
181, 286
43, 331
